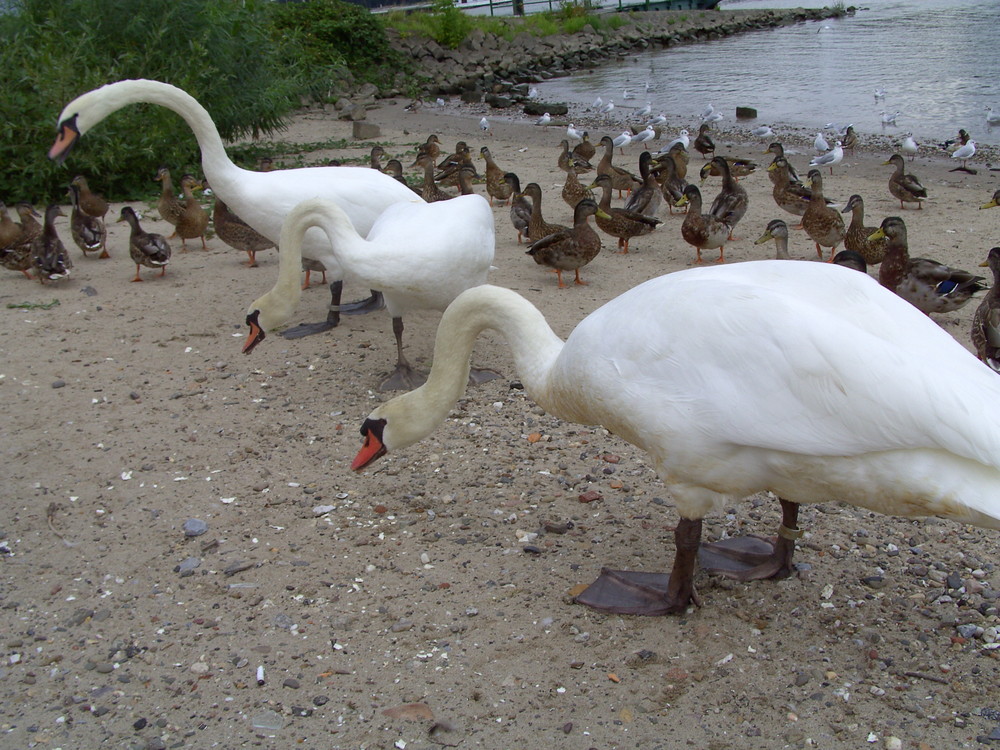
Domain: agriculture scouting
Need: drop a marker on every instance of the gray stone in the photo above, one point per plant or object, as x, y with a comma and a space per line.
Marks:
362, 130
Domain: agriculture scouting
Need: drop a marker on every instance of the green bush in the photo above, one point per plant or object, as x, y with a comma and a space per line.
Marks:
54, 50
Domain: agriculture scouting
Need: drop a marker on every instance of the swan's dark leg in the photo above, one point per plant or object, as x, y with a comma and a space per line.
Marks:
631, 593
404, 377
332, 317
362, 307
750, 558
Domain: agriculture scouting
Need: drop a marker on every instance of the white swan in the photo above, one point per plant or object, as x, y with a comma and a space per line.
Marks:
420, 255
262, 198
806, 379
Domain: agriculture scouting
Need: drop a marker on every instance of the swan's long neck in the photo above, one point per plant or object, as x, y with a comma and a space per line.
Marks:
95, 105
535, 347
277, 305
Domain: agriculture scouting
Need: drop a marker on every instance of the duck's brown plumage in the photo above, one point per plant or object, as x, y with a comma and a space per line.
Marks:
986, 321
645, 199
573, 248
496, 185
703, 231
236, 233
145, 248
88, 232
17, 255
778, 152
48, 253
856, 237
520, 207
430, 191
824, 225
570, 162
926, 284
585, 149
703, 142
574, 191
620, 222
906, 188
91, 203
537, 226
732, 202
621, 179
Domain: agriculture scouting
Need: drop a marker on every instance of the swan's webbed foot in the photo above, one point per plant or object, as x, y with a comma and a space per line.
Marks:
478, 376
748, 558
308, 329
403, 378
626, 592
364, 306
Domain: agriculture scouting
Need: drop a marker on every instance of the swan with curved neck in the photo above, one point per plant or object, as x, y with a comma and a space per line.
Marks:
420, 255
805, 379
263, 199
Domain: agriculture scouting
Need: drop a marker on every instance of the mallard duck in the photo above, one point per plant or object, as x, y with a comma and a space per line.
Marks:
447, 169
585, 149
737, 167
792, 197
496, 185
430, 191
311, 266
146, 248
262, 198
421, 256
91, 203
466, 174
569, 162
833, 402
394, 168
993, 202
679, 154
9, 229
703, 231
778, 152
170, 207
236, 233
88, 232
48, 253
375, 157
926, 284
620, 222
671, 186
776, 230
645, 199
986, 321
190, 220
520, 207
856, 237
537, 226
824, 225
732, 201
431, 147
621, 179
571, 249
905, 187
851, 259
17, 255
703, 142
850, 139
574, 191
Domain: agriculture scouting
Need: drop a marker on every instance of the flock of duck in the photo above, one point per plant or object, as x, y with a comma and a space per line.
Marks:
809, 380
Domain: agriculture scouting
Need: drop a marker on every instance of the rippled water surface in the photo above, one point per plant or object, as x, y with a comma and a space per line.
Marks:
937, 61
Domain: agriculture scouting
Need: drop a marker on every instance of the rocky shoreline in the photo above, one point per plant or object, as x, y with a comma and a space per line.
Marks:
486, 67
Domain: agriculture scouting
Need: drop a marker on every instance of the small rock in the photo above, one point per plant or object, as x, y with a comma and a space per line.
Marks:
589, 496
58, 383
139, 724
320, 700
291, 683
194, 527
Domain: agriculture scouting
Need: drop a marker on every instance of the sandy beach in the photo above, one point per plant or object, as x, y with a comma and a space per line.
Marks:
409, 605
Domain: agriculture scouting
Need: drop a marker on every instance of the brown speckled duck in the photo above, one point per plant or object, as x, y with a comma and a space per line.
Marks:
824, 225
703, 142
430, 191
621, 179
732, 201
778, 152
620, 222
91, 203
520, 207
585, 149
496, 185
573, 248
236, 233
703, 231
537, 226
10, 231
145, 248
48, 253
574, 191
856, 237
88, 232
570, 162
17, 255
926, 284
905, 187
986, 321
647, 198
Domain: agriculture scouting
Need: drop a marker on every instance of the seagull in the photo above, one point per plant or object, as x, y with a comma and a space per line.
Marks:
621, 140
834, 156
683, 137
839, 129
573, 133
820, 144
909, 146
533, 93
439, 102
965, 153
645, 111
764, 131
643, 136
626, 94
658, 120
991, 117
597, 103
484, 125
888, 119
607, 108
713, 118
545, 119
879, 94
708, 111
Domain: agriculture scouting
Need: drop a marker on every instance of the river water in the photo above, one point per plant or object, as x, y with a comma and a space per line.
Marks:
937, 62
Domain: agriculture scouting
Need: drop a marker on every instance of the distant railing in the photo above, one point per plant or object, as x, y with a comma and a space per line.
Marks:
526, 7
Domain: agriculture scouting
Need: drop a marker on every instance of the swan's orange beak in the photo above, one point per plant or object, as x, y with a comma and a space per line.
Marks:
65, 140
373, 448
256, 334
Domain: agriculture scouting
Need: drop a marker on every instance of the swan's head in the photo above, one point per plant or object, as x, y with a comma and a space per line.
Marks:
79, 116
402, 421
265, 314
